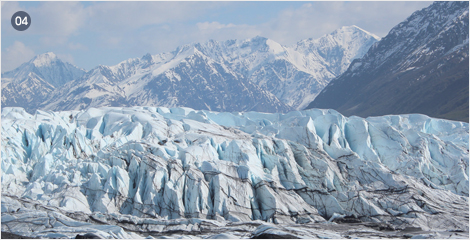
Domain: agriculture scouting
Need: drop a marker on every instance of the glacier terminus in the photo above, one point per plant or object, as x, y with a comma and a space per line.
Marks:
150, 172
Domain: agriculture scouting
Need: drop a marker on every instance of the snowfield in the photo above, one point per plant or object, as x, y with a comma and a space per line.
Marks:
148, 172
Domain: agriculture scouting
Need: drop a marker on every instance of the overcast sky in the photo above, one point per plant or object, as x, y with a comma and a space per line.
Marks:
91, 33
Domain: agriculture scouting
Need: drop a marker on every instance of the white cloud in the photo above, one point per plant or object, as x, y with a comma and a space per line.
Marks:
50, 41
77, 46
112, 41
315, 19
57, 19
119, 16
167, 38
135, 28
8, 9
66, 58
311, 20
15, 55
218, 31
52, 23
211, 26
127, 23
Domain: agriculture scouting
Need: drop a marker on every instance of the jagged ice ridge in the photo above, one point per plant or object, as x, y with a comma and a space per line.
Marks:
157, 167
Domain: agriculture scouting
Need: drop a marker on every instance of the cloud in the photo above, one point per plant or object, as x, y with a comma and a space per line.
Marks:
66, 58
130, 29
312, 20
218, 31
57, 19
165, 38
52, 23
77, 46
137, 25
8, 9
112, 41
211, 26
113, 16
15, 55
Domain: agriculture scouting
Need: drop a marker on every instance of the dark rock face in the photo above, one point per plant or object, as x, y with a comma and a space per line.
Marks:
421, 66
8, 235
87, 236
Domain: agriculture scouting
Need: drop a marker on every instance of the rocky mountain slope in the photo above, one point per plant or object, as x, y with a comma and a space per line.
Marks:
256, 74
421, 66
134, 172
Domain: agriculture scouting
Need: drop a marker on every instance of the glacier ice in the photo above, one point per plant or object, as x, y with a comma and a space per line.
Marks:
156, 169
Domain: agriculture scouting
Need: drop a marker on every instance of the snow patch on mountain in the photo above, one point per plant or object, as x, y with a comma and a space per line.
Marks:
44, 59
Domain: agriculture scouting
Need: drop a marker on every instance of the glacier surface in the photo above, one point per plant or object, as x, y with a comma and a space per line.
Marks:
149, 171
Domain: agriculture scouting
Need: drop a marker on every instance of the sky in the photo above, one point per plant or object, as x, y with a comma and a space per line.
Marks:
89, 34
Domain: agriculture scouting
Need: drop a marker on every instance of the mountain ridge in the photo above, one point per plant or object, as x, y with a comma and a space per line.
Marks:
34, 81
282, 78
421, 60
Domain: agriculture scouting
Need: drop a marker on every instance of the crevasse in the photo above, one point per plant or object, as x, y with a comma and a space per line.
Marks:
298, 167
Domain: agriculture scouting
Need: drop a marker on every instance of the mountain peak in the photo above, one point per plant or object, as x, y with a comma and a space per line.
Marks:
280, 77
257, 40
147, 57
343, 34
418, 67
44, 59
353, 29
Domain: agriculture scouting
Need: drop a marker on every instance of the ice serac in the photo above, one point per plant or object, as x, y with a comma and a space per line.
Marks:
166, 170
421, 66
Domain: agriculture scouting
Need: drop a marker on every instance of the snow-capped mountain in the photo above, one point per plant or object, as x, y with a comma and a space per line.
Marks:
338, 49
256, 74
33, 82
186, 78
421, 66
140, 171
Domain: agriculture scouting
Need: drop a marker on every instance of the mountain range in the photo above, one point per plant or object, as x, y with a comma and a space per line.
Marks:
256, 74
421, 66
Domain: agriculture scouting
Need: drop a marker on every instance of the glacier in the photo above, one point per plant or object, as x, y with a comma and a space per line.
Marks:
148, 172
